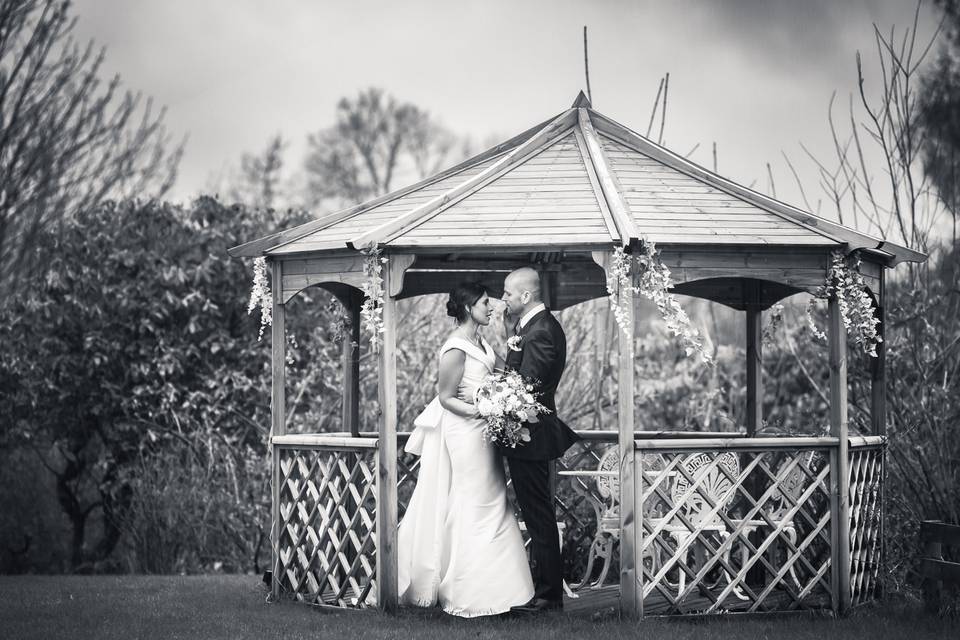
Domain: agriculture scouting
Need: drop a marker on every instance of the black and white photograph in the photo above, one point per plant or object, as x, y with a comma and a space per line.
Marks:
457, 319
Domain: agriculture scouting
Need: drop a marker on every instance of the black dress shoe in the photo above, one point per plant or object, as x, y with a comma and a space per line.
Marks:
539, 605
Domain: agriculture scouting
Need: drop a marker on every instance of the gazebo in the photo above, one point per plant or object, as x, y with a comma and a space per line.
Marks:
704, 522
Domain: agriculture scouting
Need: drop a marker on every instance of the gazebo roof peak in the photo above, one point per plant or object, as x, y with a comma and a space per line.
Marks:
582, 101
577, 180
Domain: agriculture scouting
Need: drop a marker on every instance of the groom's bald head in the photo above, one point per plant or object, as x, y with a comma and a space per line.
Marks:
521, 291
524, 279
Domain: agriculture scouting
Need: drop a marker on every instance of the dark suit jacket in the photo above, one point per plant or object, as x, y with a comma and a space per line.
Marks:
541, 359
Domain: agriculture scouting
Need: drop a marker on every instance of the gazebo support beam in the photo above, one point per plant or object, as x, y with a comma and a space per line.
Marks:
840, 461
754, 417
631, 529
351, 364
631, 594
754, 371
278, 358
387, 455
878, 404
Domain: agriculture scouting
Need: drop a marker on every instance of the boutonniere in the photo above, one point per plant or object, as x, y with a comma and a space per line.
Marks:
514, 343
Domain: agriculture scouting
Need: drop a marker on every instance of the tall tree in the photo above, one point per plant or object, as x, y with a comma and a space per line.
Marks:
375, 139
891, 198
136, 338
258, 182
67, 139
940, 115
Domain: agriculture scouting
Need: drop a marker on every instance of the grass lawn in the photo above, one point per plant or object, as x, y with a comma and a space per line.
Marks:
105, 607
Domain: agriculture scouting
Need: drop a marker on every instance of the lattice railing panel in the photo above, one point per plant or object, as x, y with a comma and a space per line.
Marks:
326, 538
866, 480
575, 496
727, 530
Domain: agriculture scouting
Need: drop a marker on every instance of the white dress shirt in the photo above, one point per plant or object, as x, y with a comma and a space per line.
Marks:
528, 316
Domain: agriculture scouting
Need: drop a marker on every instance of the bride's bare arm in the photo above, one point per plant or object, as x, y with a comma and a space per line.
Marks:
451, 373
501, 363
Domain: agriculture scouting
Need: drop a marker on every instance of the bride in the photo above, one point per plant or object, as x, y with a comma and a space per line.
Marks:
459, 544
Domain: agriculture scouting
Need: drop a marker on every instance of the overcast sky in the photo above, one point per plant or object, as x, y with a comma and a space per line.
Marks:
754, 76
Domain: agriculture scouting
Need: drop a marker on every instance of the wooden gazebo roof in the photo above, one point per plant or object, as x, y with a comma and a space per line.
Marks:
575, 181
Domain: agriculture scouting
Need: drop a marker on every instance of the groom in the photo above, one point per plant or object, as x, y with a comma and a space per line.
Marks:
538, 350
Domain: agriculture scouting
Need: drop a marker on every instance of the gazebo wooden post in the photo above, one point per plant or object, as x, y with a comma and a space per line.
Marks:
630, 590
754, 371
278, 357
387, 453
351, 364
878, 407
600, 321
839, 462
754, 417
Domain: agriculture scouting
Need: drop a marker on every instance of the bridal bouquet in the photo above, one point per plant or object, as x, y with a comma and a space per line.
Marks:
507, 403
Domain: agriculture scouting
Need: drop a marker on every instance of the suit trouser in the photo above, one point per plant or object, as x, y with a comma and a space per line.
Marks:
531, 483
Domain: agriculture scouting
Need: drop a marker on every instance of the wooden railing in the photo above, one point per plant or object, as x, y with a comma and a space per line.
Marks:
866, 511
325, 542
734, 524
723, 522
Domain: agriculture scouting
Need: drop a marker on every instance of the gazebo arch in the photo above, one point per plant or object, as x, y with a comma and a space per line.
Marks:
560, 197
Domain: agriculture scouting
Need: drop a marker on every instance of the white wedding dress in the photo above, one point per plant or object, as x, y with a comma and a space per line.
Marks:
459, 544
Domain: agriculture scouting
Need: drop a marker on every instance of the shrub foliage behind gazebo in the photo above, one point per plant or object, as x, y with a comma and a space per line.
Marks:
707, 522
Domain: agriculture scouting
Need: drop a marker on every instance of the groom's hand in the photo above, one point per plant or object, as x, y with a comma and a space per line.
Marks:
507, 321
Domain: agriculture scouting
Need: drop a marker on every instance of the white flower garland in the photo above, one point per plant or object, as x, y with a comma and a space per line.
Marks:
260, 295
857, 311
653, 282
371, 313
618, 283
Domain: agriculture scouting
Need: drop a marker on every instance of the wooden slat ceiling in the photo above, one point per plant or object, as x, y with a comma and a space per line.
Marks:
551, 188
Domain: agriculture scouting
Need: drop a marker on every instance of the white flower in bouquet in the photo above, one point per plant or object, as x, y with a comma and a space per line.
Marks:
507, 404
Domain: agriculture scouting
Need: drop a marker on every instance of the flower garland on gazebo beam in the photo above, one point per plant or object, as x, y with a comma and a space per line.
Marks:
260, 295
652, 280
371, 313
643, 273
844, 280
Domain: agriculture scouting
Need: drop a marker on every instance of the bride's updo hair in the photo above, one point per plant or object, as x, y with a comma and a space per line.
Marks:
464, 295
